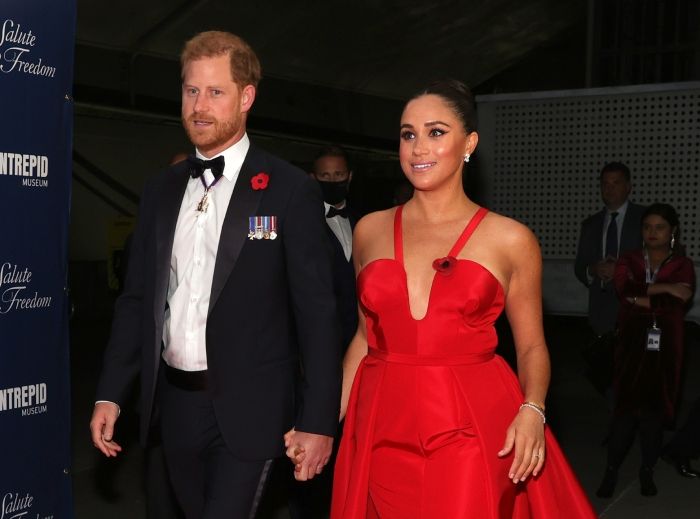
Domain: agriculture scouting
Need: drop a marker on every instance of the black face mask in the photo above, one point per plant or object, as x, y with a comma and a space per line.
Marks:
334, 192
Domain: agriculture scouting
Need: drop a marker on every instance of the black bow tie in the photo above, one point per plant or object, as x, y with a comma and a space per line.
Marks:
342, 212
197, 166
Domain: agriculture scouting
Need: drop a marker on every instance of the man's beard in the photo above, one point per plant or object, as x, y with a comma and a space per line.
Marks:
212, 136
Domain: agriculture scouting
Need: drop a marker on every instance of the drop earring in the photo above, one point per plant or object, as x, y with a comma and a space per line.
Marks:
673, 241
466, 158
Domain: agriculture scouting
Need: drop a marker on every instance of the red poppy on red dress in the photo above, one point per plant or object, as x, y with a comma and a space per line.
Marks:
445, 265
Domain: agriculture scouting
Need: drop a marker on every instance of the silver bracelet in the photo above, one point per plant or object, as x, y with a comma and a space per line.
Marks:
535, 408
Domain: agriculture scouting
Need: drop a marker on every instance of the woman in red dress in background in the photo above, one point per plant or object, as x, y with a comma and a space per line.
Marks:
654, 285
437, 425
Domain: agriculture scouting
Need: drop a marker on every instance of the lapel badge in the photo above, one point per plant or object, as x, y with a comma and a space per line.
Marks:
262, 227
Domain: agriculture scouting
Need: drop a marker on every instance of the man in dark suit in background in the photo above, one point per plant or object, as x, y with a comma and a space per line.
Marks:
605, 236
229, 290
332, 171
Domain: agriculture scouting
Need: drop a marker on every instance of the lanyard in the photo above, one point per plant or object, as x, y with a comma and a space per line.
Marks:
651, 276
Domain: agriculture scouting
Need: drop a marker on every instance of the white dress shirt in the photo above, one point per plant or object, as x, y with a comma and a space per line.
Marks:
342, 230
192, 262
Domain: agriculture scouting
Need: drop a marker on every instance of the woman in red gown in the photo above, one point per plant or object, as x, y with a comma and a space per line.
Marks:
437, 426
654, 285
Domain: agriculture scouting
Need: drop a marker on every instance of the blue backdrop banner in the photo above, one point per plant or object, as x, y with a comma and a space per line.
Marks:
36, 130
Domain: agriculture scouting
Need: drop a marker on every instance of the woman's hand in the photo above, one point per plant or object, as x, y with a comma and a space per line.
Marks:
680, 290
295, 452
526, 436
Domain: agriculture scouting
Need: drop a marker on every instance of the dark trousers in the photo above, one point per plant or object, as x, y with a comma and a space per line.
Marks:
622, 432
209, 481
161, 502
310, 499
686, 442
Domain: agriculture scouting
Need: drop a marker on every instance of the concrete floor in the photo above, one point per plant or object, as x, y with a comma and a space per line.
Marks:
113, 489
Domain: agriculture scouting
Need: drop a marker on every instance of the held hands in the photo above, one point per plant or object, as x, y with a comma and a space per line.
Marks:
104, 416
526, 435
309, 452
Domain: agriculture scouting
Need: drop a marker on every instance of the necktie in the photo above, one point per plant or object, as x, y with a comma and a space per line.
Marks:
197, 166
611, 237
342, 212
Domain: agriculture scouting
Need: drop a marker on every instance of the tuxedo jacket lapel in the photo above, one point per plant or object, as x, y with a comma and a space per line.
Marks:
244, 203
166, 216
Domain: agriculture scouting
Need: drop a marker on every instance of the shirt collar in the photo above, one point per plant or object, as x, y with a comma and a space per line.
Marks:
327, 206
620, 211
234, 156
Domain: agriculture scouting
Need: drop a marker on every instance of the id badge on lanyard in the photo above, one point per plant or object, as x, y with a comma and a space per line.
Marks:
653, 333
654, 338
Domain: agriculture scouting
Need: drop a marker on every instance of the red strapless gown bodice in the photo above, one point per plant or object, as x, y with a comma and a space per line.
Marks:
431, 403
464, 304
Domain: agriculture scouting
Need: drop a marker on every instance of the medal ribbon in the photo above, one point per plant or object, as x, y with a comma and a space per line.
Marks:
204, 202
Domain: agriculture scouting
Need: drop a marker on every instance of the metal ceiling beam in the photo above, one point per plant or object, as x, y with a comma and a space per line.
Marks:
166, 23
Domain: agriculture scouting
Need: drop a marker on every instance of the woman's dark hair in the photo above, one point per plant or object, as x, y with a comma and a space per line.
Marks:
668, 213
458, 97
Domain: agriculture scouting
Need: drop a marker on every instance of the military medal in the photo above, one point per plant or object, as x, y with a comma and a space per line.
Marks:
251, 227
259, 228
273, 227
204, 202
266, 227
262, 227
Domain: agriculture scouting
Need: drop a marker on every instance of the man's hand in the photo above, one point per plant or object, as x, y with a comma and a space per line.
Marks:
104, 416
309, 452
605, 269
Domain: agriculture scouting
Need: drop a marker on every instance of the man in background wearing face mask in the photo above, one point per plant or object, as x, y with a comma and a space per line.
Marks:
333, 174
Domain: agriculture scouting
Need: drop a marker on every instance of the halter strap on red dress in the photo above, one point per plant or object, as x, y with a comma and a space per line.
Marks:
469, 229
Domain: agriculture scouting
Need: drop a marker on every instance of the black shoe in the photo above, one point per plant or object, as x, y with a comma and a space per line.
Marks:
686, 470
607, 486
682, 466
646, 482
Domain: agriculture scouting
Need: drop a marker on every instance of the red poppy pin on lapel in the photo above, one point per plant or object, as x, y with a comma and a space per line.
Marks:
260, 181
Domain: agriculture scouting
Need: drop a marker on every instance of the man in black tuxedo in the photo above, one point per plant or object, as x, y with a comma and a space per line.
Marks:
332, 171
229, 290
605, 236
